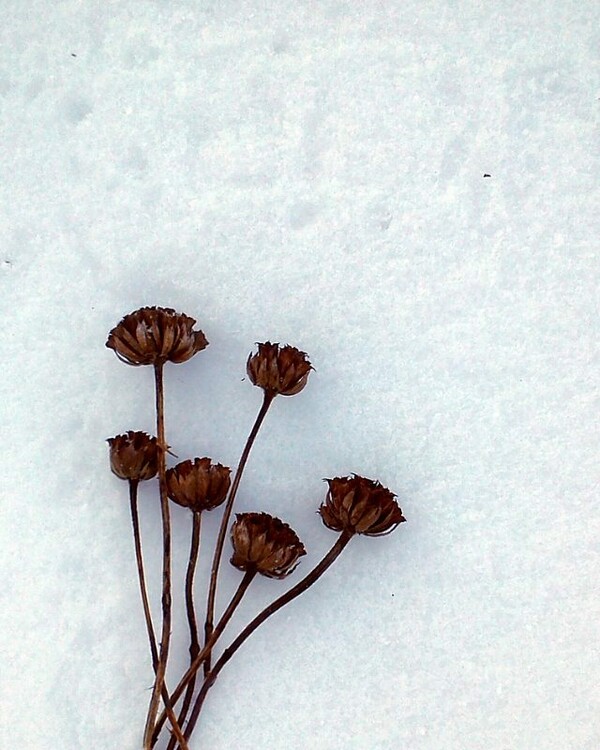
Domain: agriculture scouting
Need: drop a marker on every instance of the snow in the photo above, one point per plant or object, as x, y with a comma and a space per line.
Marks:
310, 173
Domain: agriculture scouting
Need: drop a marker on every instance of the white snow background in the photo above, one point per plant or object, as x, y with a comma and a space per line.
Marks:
311, 173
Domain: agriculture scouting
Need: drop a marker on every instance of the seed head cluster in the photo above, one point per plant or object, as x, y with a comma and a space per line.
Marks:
199, 484
133, 456
360, 506
153, 335
278, 370
266, 544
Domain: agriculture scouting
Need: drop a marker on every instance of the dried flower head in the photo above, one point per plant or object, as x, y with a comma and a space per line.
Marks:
278, 369
199, 484
360, 506
153, 335
265, 544
134, 456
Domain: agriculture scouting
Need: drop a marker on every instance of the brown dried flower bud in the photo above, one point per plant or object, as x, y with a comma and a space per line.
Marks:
153, 335
199, 484
278, 369
265, 544
360, 506
134, 456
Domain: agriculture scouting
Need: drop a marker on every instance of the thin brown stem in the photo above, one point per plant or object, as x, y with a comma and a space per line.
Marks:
204, 653
137, 539
176, 727
166, 573
284, 599
191, 615
214, 573
135, 521
189, 585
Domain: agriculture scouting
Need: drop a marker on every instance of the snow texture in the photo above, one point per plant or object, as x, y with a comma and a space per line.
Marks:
408, 191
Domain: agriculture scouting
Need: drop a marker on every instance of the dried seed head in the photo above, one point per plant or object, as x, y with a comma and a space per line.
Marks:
153, 335
265, 544
134, 456
278, 369
360, 506
199, 484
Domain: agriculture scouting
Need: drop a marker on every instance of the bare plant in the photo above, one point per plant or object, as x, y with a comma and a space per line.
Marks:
262, 544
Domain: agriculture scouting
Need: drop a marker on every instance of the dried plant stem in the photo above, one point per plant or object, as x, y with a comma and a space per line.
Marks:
135, 521
137, 539
284, 599
189, 585
177, 733
214, 573
204, 653
191, 615
166, 574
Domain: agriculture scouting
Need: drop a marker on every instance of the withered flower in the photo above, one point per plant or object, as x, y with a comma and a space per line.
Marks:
199, 484
265, 544
134, 456
154, 335
278, 369
360, 506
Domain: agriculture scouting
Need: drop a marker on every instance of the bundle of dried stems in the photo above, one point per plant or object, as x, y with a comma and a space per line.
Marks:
262, 544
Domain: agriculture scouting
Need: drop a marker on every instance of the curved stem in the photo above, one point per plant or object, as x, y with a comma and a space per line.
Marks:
214, 573
191, 615
166, 573
205, 652
284, 599
137, 539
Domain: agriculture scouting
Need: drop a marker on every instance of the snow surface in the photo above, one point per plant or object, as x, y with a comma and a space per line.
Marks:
312, 173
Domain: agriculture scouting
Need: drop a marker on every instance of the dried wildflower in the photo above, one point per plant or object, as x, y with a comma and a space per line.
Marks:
199, 484
265, 544
261, 543
152, 335
278, 370
360, 506
134, 456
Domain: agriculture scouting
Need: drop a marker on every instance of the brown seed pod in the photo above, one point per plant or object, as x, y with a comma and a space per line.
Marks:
278, 369
153, 335
199, 484
360, 506
265, 544
134, 456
